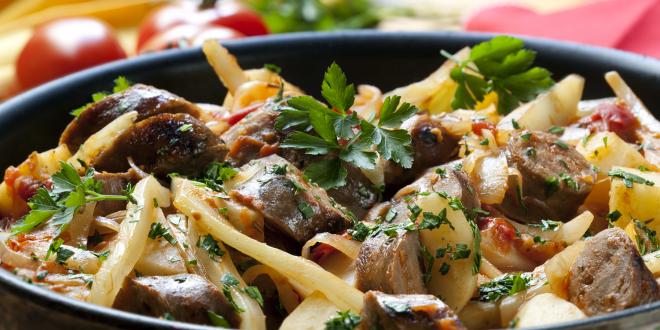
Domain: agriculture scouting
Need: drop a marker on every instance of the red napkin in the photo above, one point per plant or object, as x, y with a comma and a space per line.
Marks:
632, 25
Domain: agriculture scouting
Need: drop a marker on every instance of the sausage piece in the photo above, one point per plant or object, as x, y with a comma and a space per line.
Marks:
164, 144
407, 311
186, 297
146, 100
556, 179
432, 145
290, 205
609, 275
113, 184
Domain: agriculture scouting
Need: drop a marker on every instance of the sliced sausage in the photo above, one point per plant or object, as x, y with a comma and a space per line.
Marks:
113, 184
446, 178
358, 194
186, 297
609, 275
407, 311
164, 144
289, 204
431, 145
146, 100
390, 264
556, 179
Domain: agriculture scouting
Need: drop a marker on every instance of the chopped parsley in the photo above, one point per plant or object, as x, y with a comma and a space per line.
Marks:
546, 225
427, 260
629, 178
58, 205
556, 130
397, 306
253, 292
441, 172
646, 238
345, 320
185, 128
561, 144
530, 152
61, 254
210, 245
551, 185
102, 256
612, 217
505, 285
433, 221
484, 142
218, 320
229, 281
515, 124
503, 66
121, 84
306, 210
216, 174
273, 68
158, 230
456, 252
526, 136
278, 169
569, 181
342, 134
444, 268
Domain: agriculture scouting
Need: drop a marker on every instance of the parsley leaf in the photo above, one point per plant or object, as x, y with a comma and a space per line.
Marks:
345, 320
335, 89
339, 133
218, 320
157, 230
69, 193
503, 66
506, 285
210, 245
629, 178
121, 84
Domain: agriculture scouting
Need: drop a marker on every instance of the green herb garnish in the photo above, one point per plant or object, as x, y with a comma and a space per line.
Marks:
629, 178
345, 320
503, 66
121, 84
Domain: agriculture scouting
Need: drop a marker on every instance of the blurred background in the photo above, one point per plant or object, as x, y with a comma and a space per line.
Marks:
42, 40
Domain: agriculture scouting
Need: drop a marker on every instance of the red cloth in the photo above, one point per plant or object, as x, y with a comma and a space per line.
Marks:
632, 25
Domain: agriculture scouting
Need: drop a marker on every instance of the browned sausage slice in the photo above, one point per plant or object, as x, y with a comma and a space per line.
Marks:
290, 205
163, 144
146, 100
407, 311
609, 275
186, 297
556, 179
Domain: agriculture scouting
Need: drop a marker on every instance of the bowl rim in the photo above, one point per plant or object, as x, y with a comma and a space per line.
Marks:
10, 110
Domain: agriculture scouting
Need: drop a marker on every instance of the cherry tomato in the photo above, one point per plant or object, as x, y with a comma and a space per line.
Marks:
187, 35
65, 46
226, 13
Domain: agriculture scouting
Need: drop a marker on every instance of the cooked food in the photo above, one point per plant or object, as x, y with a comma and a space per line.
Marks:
484, 196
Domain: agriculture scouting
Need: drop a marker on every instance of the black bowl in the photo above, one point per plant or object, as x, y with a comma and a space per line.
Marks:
34, 120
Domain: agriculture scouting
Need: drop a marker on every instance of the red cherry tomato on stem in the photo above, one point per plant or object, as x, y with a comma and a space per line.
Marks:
64, 46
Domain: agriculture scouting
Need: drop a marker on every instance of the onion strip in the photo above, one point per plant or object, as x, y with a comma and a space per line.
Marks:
131, 240
190, 200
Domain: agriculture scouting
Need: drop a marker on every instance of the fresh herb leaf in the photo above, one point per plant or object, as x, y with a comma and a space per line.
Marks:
335, 90
185, 128
69, 193
569, 181
210, 245
345, 320
646, 238
556, 130
427, 261
218, 320
546, 225
392, 115
503, 66
561, 144
506, 285
327, 173
551, 185
121, 84
228, 282
158, 230
306, 210
612, 217
273, 68
253, 292
629, 178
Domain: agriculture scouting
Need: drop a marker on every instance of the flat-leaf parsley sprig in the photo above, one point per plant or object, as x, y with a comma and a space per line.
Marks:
500, 65
338, 132
58, 205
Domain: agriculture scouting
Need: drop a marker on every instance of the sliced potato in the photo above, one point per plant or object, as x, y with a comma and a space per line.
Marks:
606, 150
311, 314
556, 107
639, 202
459, 283
546, 309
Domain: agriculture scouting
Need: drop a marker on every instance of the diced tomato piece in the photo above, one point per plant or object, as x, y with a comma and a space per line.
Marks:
479, 125
614, 117
235, 118
321, 251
